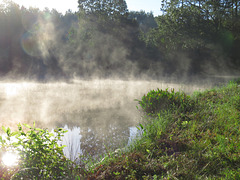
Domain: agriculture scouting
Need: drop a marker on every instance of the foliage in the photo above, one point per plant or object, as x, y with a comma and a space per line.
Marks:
199, 144
40, 155
204, 32
146, 21
190, 25
156, 101
110, 8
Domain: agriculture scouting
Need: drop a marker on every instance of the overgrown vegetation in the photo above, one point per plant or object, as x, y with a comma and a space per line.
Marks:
159, 100
184, 137
40, 155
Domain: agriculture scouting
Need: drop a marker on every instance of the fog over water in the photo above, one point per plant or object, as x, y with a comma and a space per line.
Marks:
98, 113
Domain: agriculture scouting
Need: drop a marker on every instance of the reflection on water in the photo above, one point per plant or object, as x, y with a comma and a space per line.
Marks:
134, 132
78, 142
99, 114
72, 140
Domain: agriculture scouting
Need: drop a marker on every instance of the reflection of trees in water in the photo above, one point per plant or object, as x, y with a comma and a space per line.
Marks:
99, 140
72, 140
101, 130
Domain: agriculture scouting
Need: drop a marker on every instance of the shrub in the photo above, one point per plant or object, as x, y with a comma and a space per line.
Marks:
40, 155
158, 100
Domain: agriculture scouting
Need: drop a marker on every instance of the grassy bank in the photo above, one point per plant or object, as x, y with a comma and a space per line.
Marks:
183, 137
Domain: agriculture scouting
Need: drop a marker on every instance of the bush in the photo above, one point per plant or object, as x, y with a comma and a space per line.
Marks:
40, 155
156, 101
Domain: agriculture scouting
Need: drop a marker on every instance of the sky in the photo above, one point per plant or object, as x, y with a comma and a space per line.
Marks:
146, 5
64, 5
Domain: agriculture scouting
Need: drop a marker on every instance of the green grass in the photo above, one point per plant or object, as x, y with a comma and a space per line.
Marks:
183, 137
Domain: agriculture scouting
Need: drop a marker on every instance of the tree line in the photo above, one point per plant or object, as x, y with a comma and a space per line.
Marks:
104, 39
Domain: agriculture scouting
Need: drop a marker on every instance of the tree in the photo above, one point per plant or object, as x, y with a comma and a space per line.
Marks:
111, 8
146, 21
193, 24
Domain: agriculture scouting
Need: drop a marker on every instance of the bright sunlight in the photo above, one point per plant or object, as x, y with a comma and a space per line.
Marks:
10, 159
53, 4
11, 90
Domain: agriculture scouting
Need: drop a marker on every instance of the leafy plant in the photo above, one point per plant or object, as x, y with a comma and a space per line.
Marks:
156, 101
41, 156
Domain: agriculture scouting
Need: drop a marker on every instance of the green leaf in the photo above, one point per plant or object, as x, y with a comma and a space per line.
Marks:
14, 133
15, 144
28, 126
39, 129
141, 126
148, 151
4, 129
23, 134
8, 132
19, 127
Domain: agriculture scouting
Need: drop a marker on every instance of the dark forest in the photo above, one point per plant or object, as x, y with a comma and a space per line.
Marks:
106, 40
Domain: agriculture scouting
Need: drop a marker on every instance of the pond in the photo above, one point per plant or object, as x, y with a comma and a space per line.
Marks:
100, 115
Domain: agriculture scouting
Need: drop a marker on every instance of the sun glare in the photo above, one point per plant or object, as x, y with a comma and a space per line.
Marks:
11, 90
10, 159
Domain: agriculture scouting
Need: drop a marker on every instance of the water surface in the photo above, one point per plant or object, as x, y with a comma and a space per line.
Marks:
99, 114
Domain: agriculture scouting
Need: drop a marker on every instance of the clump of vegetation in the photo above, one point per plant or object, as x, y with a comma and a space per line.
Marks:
188, 137
132, 165
156, 101
40, 155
